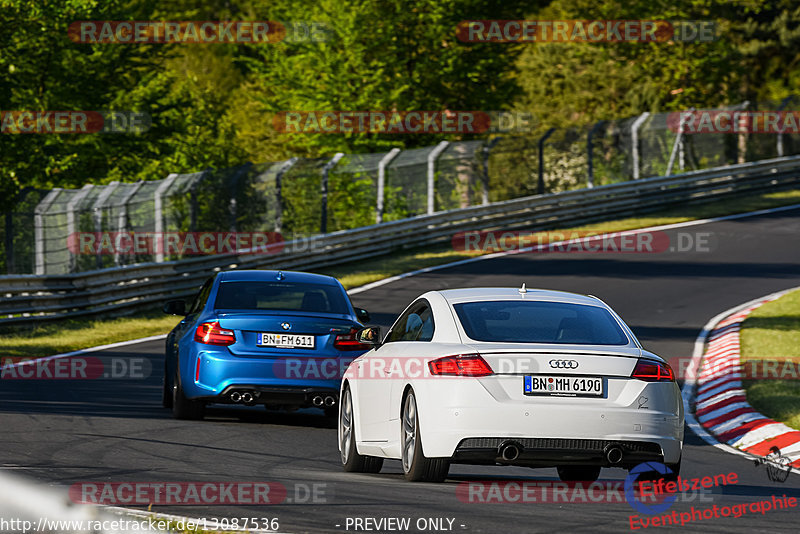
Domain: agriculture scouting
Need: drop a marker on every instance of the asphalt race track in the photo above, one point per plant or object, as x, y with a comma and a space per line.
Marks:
64, 432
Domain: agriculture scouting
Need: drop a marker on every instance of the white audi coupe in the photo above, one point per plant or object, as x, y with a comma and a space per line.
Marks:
499, 376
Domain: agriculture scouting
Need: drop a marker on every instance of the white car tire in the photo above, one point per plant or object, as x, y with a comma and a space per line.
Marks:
351, 460
416, 467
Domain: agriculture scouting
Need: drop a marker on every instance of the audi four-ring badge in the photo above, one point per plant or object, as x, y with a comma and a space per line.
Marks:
510, 377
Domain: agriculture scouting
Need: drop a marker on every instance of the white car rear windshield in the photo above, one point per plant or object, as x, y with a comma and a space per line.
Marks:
539, 322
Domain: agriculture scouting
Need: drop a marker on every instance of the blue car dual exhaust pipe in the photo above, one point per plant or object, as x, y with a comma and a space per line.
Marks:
245, 397
250, 397
319, 401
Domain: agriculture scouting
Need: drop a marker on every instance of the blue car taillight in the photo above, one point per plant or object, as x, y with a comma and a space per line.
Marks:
348, 341
211, 334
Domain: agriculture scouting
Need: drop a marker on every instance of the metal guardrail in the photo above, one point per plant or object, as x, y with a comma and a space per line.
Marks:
25, 299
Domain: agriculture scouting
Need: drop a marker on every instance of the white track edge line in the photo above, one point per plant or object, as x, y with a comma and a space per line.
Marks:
689, 382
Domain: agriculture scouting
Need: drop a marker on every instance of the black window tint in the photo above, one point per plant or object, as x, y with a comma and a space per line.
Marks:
539, 322
414, 325
201, 298
282, 296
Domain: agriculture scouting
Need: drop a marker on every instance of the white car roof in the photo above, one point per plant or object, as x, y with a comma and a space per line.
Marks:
513, 293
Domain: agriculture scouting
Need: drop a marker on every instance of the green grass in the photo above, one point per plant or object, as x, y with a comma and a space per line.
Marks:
64, 336
58, 337
772, 333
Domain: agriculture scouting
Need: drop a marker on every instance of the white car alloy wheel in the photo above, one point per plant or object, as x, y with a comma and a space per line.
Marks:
409, 432
351, 460
416, 467
346, 426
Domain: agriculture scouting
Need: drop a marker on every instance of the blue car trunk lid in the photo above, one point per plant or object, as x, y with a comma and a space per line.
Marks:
250, 326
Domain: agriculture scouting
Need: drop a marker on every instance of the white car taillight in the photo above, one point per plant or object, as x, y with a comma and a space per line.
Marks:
460, 365
652, 371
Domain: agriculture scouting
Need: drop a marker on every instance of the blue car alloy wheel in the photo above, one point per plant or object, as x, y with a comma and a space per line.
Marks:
277, 338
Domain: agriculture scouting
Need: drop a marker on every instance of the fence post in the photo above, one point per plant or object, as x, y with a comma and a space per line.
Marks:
9, 233
323, 224
487, 149
158, 213
38, 228
677, 145
385, 161
779, 138
590, 154
97, 215
741, 140
635, 142
234, 185
71, 209
542, 139
9, 242
434, 154
278, 193
122, 221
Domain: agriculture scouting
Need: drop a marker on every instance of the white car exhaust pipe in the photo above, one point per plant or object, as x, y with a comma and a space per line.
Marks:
247, 397
236, 396
329, 401
509, 451
318, 400
613, 454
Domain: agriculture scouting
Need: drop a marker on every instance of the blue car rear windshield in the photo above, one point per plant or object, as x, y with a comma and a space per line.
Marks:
539, 322
281, 296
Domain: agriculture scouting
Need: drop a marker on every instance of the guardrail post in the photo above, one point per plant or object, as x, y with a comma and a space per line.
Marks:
278, 193
434, 154
542, 139
635, 142
590, 154
122, 221
487, 149
779, 137
97, 215
323, 224
385, 161
38, 228
158, 213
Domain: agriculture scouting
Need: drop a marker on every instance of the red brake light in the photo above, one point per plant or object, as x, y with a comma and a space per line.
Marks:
460, 365
651, 371
212, 334
348, 341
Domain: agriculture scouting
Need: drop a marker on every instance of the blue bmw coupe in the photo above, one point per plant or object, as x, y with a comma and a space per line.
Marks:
277, 338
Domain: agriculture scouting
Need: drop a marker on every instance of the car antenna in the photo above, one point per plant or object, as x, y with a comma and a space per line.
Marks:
523, 290
281, 276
